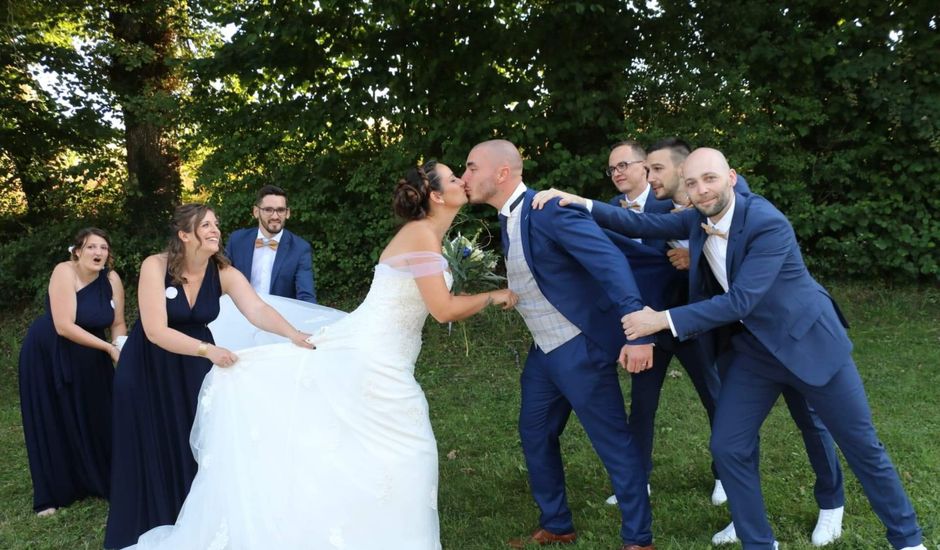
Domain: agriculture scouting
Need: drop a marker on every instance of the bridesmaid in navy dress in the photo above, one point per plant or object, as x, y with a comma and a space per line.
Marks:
168, 353
65, 372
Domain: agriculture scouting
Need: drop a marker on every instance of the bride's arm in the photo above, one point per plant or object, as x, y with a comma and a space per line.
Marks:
446, 307
256, 310
441, 304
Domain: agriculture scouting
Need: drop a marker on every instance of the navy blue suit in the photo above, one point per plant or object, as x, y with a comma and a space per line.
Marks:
663, 289
590, 283
828, 489
292, 273
786, 332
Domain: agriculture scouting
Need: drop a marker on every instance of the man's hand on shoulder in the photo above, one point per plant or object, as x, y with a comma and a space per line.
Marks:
542, 197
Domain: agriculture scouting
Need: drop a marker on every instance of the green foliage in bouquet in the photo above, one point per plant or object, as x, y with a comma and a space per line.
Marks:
471, 265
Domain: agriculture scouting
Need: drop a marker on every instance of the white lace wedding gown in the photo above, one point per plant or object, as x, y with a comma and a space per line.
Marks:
320, 449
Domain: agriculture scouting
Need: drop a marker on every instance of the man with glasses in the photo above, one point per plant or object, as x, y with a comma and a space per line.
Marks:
275, 260
748, 279
627, 168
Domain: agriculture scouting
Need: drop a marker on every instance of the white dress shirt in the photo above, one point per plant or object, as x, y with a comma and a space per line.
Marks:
639, 201
262, 263
716, 253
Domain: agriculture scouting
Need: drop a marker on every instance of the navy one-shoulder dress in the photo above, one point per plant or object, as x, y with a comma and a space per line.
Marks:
65, 398
155, 397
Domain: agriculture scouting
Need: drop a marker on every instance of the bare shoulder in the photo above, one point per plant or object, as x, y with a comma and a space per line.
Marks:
415, 236
227, 272
155, 260
63, 268
113, 277
63, 273
154, 265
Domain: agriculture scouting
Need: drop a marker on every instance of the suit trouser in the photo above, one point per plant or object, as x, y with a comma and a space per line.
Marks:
753, 383
820, 448
646, 387
578, 376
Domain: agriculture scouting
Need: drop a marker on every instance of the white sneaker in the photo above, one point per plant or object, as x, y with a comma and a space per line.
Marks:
828, 526
718, 494
612, 499
918, 547
725, 536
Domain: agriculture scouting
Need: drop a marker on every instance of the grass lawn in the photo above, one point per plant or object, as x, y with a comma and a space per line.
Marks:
484, 498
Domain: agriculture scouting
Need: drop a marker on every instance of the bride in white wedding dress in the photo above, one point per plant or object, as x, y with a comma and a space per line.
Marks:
332, 448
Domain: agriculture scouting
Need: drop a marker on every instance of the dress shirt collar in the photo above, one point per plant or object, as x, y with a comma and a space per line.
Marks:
640, 199
276, 237
520, 189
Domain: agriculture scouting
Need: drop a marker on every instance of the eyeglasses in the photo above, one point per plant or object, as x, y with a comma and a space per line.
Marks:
621, 166
267, 210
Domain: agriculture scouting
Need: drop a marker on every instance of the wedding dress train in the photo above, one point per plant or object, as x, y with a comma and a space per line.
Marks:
322, 449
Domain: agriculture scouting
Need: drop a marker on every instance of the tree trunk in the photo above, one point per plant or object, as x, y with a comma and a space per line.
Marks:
144, 82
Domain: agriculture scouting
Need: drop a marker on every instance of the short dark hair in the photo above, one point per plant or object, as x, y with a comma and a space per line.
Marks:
269, 190
678, 148
632, 144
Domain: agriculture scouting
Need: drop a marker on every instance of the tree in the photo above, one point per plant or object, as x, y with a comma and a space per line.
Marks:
145, 80
39, 130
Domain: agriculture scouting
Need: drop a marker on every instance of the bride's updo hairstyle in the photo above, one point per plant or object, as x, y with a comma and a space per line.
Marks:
413, 192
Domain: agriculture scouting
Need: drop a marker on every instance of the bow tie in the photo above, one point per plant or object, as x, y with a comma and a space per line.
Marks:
272, 244
630, 205
712, 230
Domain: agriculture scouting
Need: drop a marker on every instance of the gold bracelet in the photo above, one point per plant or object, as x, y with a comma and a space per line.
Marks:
203, 349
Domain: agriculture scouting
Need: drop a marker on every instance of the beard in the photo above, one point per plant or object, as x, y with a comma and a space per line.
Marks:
479, 195
722, 201
272, 227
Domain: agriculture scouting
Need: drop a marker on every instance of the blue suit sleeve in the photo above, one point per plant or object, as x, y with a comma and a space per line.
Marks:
632, 224
765, 252
228, 250
303, 278
234, 253
573, 230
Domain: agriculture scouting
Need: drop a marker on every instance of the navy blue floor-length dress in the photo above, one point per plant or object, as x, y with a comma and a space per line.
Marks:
65, 399
155, 397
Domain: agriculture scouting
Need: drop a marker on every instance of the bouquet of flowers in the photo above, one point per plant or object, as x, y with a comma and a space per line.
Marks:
471, 266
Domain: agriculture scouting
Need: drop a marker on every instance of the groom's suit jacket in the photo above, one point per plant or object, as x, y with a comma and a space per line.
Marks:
770, 290
292, 272
580, 272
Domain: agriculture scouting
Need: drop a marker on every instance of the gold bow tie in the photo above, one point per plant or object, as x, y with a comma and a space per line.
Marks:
711, 230
630, 205
272, 244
